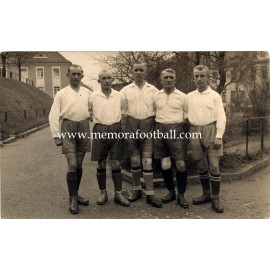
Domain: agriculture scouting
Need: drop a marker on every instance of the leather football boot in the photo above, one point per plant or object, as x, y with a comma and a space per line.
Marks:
216, 206
182, 201
82, 201
103, 198
135, 195
171, 196
151, 199
73, 205
120, 199
205, 198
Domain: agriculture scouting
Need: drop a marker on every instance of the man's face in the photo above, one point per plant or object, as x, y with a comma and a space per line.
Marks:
168, 80
139, 72
75, 76
106, 80
200, 79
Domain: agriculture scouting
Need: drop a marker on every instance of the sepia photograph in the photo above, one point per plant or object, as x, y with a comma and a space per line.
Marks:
191, 130
134, 135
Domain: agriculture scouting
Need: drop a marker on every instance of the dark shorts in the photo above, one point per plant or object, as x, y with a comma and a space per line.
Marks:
77, 136
143, 144
113, 145
200, 146
176, 148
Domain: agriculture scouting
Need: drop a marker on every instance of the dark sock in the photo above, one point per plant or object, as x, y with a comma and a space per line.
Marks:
101, 177
72, 183
215, 184
205, 182
79, 177
168, 178
136, 176
117, 179
181, 179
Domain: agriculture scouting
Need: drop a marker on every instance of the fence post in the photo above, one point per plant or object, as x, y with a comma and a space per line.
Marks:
5, 116
25, 114
247, 137
262, 133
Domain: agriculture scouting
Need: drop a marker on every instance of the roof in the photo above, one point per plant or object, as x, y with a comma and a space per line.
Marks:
48, 57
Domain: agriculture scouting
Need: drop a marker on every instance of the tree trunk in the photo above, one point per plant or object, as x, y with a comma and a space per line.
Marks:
4, 60
222, 73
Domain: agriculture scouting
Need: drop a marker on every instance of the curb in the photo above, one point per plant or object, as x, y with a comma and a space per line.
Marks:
226, 177
22, 135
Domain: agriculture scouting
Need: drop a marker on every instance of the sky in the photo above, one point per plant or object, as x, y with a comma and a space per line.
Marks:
89, 62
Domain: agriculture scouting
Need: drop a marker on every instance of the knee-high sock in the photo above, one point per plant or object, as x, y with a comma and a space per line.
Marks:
215, 184
79, 177
205, 182
136, 177
181, 178
168, 178
72, 183
101, 178
117, 179
148, 179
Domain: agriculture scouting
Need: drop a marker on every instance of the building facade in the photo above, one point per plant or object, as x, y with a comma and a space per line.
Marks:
45, 70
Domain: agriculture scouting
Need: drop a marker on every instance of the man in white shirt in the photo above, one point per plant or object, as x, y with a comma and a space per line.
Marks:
206, 115
170, 116
69, 119
106, 107
140, 121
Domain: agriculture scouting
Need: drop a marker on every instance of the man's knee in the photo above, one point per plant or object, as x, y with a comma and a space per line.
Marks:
135, 161
115, 164
147, 163
102, 164
180, 165
166, 163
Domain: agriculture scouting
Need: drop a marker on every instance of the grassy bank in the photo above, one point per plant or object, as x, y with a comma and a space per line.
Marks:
22, 107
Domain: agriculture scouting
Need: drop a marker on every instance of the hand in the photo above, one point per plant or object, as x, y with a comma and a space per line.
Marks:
217, 143
58, 141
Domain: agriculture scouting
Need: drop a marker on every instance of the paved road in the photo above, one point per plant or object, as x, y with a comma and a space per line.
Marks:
34, 187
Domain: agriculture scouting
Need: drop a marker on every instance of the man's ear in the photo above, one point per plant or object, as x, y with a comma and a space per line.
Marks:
67, 74
82, 76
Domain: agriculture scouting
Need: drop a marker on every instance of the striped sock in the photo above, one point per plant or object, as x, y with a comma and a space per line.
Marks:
136, 177
205, 182
215, 184
148, 179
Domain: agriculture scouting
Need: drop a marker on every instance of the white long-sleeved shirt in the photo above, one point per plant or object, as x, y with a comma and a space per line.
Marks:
139, 102
205, 108
69, 104
106, 111
170, 108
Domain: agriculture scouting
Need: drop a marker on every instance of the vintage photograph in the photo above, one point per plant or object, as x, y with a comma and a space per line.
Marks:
135, 135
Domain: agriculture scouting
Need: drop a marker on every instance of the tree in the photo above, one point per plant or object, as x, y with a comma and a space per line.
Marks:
18, 59
4, 56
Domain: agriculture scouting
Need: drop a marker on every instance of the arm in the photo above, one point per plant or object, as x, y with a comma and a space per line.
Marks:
54, 117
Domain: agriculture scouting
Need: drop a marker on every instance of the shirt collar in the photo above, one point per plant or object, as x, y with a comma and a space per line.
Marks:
145, 84
207, 91
100, 93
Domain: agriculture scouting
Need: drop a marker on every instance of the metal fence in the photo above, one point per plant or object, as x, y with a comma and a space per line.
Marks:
16, 77
247, 136
8, 116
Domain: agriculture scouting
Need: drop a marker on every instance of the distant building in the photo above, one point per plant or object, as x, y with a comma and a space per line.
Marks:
47, 71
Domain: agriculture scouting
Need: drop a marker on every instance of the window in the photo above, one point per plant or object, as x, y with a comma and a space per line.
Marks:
56, 72
56, 89
40, 55
40, 72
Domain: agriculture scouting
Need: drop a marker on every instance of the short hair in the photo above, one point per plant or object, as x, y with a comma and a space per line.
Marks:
75, 66
168, 70
202, 67
103, 71
139, 63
